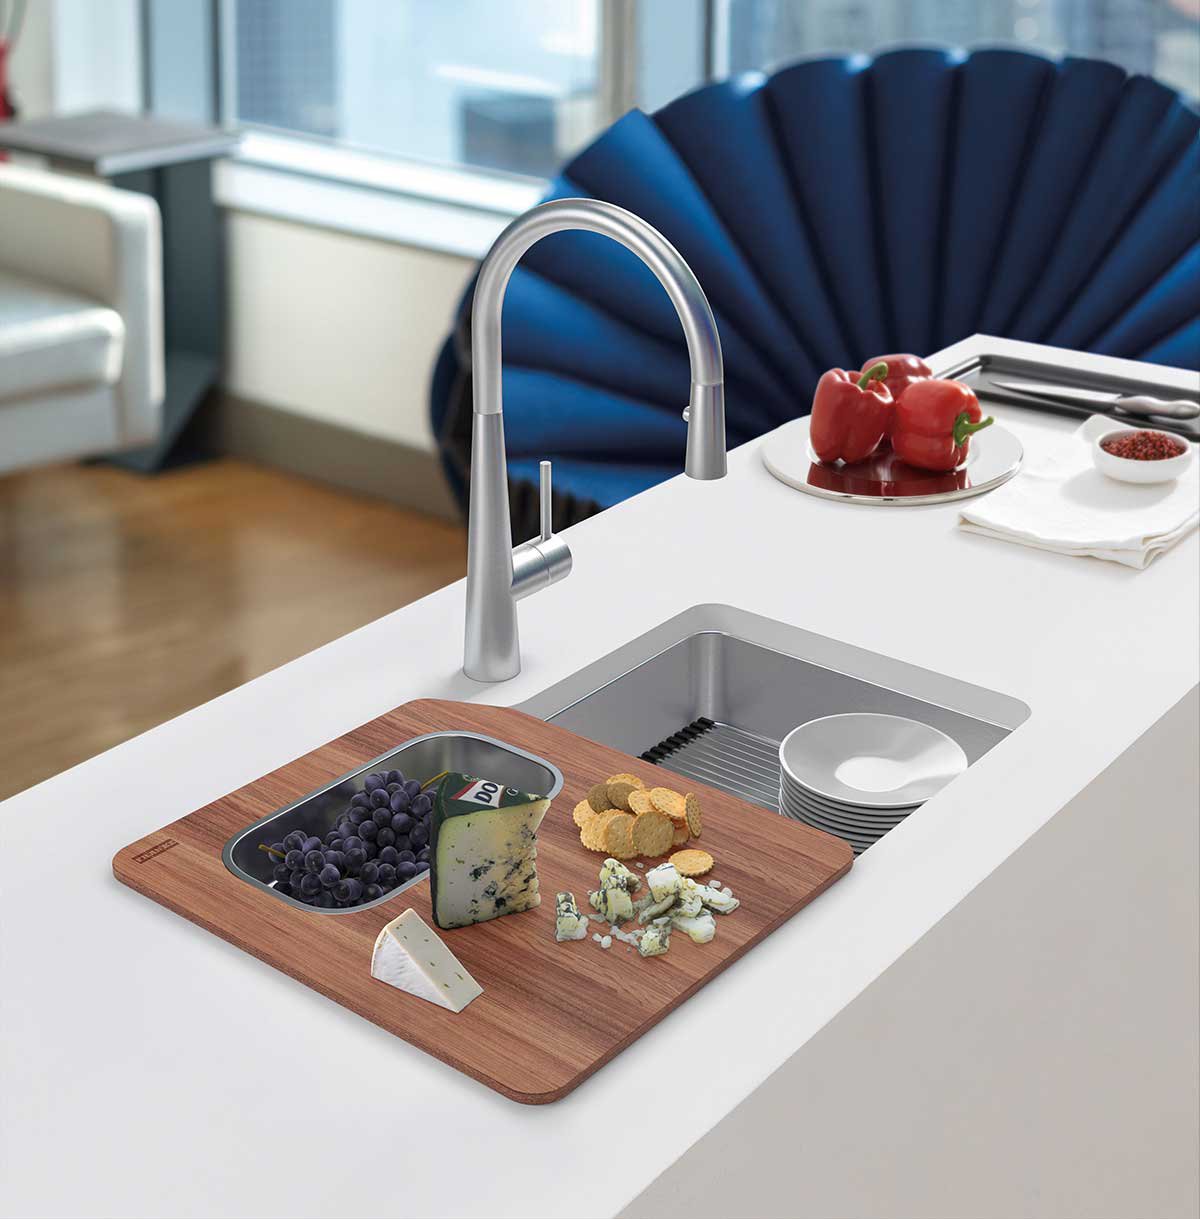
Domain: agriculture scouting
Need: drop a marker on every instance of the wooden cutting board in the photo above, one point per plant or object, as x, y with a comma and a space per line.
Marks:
550, 1014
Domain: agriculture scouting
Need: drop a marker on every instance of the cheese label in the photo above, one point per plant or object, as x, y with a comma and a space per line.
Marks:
481, 792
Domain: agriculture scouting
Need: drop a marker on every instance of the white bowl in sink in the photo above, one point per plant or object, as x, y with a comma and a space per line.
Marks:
866, 760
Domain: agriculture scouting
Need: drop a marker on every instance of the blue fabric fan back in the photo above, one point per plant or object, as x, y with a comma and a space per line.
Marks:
836, 210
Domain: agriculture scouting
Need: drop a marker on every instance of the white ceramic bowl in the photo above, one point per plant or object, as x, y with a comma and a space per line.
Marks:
1126, 470
870, 761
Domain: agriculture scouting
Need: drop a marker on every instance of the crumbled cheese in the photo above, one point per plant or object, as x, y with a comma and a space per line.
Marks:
569, 924
606, 941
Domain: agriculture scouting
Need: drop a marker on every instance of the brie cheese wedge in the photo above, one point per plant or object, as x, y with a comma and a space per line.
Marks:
409, 955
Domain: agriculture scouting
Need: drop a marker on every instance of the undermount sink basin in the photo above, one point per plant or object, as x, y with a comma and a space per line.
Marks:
710, 694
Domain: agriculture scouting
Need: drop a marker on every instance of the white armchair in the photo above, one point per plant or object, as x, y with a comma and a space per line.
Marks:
81, 318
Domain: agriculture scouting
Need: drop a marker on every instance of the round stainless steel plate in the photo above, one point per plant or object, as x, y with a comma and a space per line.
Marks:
994, 457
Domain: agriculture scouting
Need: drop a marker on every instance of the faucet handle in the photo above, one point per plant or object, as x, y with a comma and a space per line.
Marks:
544, 560
545, 500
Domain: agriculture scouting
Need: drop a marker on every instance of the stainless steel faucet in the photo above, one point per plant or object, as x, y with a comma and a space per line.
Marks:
497, 575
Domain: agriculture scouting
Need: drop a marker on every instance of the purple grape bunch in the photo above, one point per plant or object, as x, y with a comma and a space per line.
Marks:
378, 842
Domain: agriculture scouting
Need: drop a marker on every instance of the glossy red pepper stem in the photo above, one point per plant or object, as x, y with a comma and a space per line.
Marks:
963, 427
875, 373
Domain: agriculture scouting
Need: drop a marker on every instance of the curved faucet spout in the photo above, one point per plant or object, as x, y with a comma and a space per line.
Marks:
492, 651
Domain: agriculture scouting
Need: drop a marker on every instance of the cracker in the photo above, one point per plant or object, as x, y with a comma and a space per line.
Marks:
598, 798
623, 777
592, 834
583, 813
681, 833
692, 862
652, 833
692, 808
618, 836
619, 791
669, 802
640, 802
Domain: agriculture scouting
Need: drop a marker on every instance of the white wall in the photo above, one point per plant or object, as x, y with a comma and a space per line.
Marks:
335, 327
33, 62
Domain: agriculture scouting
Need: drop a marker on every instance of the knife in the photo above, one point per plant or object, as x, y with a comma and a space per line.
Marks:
1131, 404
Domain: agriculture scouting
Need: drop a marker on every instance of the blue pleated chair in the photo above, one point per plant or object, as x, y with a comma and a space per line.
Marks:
836, 210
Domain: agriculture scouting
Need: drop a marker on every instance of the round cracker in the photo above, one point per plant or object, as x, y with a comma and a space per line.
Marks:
618, 836
691, 806
598, 798
652, 834
583, 813
692, 862
623, 777
640, 802
669, 802
682, 833
619, 791
592, 834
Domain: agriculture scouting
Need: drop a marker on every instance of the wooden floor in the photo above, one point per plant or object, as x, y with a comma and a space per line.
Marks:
125, 600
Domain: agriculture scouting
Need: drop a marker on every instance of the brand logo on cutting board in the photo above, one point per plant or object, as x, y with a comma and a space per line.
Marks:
157, 849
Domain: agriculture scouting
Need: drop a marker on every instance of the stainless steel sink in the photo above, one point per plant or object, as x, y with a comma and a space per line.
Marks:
711, 693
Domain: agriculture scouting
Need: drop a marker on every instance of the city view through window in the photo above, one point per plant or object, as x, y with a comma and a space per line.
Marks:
518, 87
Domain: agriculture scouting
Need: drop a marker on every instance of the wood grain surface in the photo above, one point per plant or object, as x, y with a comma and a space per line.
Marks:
550, 1014
127, 600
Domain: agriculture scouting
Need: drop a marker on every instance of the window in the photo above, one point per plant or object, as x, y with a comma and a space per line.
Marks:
1158, 37
475, 84
477, 102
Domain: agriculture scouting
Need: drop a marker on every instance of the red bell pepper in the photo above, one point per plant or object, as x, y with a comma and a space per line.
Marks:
850, 414
902, 371
933, 424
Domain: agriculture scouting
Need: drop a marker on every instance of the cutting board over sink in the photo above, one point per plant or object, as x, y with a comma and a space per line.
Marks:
550, 1013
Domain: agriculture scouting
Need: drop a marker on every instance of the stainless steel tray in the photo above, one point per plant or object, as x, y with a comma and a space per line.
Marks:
420, 758
982, 369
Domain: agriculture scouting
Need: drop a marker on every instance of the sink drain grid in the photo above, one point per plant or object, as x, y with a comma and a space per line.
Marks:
725, 757
741, 763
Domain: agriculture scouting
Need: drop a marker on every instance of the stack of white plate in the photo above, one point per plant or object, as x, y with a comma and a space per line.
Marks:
859, 775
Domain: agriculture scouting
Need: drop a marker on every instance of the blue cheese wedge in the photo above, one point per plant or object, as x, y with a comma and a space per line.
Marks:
483, 850
569, 924
409, 956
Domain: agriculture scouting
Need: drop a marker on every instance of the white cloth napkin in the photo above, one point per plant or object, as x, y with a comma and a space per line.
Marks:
1066, 505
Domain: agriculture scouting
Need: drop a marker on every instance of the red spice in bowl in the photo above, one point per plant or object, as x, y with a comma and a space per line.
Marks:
1143, 446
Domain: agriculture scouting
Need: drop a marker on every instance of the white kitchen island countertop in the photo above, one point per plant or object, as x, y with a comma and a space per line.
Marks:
149, 1068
